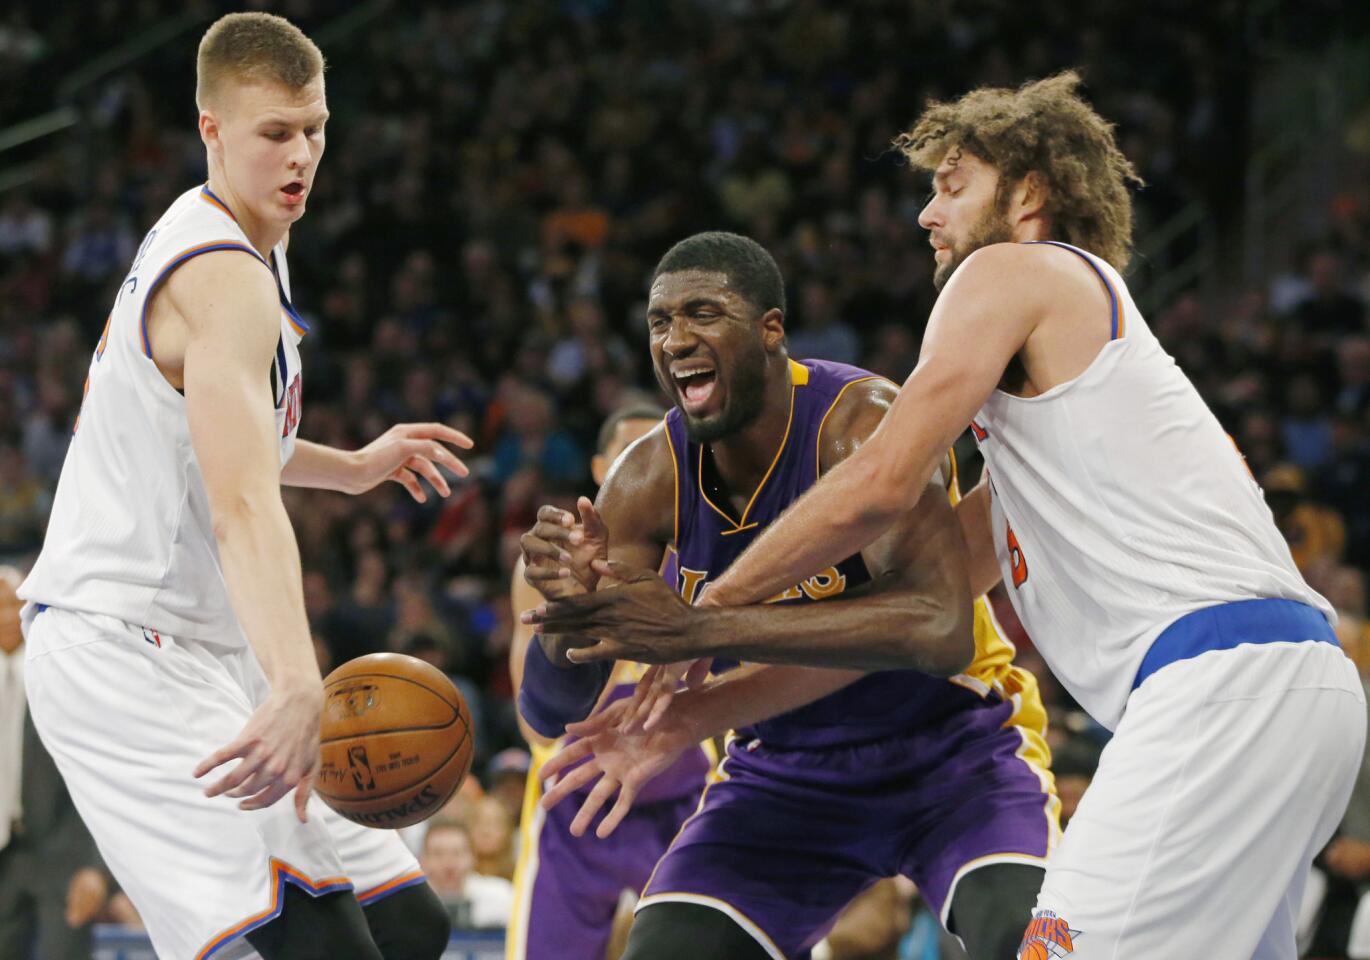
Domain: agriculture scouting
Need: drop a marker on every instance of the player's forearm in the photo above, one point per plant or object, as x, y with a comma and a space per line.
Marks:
847, 509
261, 564
974, 517
754, 694
895, 629
555, 692
320, 467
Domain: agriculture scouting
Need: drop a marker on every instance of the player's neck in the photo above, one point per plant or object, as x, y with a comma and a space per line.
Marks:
743, 458
262, 236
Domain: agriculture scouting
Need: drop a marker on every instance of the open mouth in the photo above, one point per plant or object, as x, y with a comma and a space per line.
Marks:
696, 386
294, 192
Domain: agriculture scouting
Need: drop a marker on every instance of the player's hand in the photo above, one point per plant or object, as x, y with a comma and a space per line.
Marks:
643, 619
86, 896
658, 687
559, 552
618, 763
406, 452
278, 751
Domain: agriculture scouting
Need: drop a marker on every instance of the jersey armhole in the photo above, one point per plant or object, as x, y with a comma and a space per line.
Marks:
171, 265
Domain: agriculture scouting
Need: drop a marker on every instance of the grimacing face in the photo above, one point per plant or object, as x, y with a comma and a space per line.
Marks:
268, 140
964, 213
707, 352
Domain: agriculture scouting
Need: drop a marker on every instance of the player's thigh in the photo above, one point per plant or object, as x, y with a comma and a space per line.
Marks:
126, 722
688, 931
1219, 784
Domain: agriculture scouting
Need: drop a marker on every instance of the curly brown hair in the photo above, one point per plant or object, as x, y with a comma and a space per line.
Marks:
1044, 126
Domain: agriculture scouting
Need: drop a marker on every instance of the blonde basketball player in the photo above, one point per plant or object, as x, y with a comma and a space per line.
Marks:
165, 618
1136, 547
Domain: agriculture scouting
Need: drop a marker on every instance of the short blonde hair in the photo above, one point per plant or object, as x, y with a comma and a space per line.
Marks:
1044, 127
254, 46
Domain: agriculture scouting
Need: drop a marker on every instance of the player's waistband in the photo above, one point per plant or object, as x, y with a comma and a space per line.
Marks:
1229, 625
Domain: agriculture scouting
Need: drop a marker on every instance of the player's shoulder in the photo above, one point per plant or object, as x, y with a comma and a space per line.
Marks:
1043, 270
646, 462
855, 412
233, 279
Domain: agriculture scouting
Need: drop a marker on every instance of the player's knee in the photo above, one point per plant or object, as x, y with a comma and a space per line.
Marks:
411, 924
687, 931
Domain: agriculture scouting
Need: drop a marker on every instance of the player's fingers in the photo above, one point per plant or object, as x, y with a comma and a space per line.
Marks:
542, 573
624, 803
302, 797
564, 757
535, 547
597, 798
603, 650
579, 778
597, 723
406, 479
234, 777
440, 431
698, 674
590, 519
441, 455
643, 690
238, 748
274, 791
424, 467
659, 708
560, 517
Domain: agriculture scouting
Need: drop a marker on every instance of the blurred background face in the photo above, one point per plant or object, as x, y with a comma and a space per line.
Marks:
964, 212
267, 140
626, 432
448, 858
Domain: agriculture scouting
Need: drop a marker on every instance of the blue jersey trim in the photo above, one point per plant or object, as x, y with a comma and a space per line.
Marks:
176, 262
1230, 625
1112, 296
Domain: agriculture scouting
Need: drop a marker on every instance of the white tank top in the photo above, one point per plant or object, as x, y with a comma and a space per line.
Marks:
1119, 505
130, 534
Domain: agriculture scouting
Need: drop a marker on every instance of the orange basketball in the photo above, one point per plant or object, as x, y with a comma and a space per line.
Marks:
1036, 950
396, 740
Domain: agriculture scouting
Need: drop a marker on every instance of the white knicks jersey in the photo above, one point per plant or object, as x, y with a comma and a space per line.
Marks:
130, 535
1119, 505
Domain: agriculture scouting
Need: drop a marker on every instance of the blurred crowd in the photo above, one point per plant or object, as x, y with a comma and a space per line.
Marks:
499, 181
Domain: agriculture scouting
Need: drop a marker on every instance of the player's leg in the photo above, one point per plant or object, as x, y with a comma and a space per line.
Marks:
405, 917
1226, 773
410, 924
316, 928
127, 719
990, 908
688, 931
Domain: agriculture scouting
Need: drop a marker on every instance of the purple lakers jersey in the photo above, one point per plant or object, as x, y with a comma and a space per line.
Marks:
709, 538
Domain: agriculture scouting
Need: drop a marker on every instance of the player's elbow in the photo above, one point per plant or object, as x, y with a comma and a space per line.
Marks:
241, 510
946, 645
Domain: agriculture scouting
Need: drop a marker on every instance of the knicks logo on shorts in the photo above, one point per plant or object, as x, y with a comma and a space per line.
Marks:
1047, 936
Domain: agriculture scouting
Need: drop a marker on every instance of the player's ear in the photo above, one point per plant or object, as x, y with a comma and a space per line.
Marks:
209, 130
773, 329
1029, 196
599, 469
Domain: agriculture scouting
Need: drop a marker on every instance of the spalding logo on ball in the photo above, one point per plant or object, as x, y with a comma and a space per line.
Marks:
396, 740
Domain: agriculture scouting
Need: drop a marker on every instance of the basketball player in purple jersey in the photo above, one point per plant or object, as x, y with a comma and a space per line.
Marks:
569, 888
1136, 547
834, 778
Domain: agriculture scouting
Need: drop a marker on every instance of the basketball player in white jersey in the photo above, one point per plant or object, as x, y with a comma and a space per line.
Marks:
1136, 548
165, 618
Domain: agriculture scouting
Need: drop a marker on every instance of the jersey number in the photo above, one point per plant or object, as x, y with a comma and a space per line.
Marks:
1017, 561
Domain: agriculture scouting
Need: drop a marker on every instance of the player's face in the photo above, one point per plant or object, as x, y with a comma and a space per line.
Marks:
964, 212
707, 351
626, 433
269, 140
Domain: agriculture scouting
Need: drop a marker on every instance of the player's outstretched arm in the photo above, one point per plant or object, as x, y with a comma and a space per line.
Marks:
403, 454
915, 613
637, 503
981, 320
620, 762
227, 304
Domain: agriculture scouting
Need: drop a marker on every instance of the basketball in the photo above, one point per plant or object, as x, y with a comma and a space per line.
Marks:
395, 741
